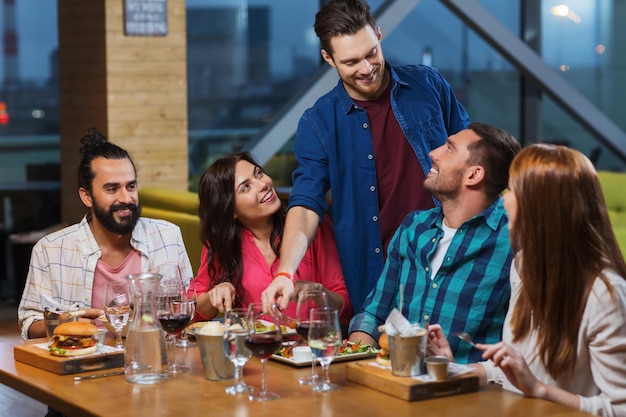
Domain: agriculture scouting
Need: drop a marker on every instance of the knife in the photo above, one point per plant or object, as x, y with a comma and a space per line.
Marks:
80, 378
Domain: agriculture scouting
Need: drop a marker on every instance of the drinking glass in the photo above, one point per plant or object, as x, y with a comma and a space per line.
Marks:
324, 340
183, 340
308, 299
264, 339
117, 308
174, 314
235, 336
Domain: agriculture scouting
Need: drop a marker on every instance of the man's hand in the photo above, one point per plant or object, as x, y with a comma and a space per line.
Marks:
364, 338
92, 313
437, 342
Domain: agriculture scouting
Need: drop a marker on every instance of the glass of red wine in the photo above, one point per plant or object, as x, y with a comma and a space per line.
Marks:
308, 299
264, 339
174, 313
183, 339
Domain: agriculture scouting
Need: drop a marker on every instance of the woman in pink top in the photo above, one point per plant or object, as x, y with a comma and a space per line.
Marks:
242, 220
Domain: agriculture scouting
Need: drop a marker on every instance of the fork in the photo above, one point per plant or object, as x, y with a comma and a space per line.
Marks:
117, 300
464, 336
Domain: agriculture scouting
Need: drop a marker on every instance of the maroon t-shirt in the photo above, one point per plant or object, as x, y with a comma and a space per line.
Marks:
398, 172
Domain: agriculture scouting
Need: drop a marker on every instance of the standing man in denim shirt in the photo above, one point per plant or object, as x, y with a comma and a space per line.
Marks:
368, 141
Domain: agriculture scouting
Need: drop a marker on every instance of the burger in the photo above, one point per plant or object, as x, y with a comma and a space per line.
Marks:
383, 354
75, 338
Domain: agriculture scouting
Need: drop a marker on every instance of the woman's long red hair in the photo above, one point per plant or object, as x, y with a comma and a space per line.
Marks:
564, 240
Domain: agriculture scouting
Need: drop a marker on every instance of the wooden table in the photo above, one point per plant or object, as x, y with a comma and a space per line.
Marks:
191, 394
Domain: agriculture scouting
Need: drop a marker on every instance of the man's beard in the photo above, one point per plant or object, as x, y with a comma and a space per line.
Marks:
107, 217
448, 189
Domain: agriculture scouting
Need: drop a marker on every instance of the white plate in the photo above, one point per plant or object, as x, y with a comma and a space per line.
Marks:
339, 358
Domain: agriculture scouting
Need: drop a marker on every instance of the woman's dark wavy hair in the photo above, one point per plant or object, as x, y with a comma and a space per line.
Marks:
96, 145
220, 231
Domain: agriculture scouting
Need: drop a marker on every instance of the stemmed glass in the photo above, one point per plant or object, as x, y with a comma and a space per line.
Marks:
308, 299
184, 341
325, 340
235, 336
117, 308
264, 339
174, 314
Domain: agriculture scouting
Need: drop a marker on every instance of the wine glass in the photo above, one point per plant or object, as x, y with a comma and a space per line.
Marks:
117, 308
184, 341
264, 339
308, 299
174, 314
235, 336
324, 340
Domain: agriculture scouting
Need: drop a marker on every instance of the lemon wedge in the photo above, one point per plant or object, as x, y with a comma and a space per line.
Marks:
317, 344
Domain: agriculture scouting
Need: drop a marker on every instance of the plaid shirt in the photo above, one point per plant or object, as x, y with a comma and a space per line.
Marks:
62, 264
470, 292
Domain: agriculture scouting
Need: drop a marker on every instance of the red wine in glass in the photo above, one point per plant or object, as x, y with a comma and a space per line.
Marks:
174, 323
303, 330
263, 345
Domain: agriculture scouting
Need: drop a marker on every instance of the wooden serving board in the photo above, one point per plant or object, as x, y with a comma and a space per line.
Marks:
406, 388
38, 355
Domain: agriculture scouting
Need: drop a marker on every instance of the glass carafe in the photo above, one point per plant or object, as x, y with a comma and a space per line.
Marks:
145, 359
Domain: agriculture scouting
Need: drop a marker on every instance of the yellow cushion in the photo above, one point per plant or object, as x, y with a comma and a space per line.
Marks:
189, 226
169, 199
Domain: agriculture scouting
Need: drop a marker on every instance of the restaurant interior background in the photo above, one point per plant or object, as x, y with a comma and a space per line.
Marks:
249, 62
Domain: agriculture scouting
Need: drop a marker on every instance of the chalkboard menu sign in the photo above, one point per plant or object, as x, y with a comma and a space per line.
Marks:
145, 17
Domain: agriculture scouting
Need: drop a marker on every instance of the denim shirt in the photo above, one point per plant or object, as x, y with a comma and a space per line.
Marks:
334, 150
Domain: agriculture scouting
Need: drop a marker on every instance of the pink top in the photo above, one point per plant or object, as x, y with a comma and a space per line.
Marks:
105, 273
320, 264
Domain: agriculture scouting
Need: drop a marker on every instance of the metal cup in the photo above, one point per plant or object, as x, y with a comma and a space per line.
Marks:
216, 364
407, 353
437, 367
53, 318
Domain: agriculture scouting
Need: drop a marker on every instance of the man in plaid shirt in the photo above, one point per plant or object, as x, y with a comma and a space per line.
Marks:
450, 265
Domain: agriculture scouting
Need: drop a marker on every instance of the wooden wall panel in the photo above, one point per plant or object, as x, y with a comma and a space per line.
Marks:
132, 88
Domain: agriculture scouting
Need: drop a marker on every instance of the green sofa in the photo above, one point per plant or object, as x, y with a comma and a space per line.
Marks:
614, 189
178, 207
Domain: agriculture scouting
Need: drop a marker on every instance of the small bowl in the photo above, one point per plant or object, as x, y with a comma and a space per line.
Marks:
302, 354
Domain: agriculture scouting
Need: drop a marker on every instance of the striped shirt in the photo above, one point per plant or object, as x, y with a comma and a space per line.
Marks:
470, 291
63, 263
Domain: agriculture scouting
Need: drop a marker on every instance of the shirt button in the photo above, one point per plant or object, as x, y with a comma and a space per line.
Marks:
370, 156
426, 317
448, 259
427, 269
377, 250
435, 285
375, 218
433, 240
372, 188
365, 126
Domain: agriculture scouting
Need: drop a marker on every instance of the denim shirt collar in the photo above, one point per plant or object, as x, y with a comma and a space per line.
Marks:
347, 103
